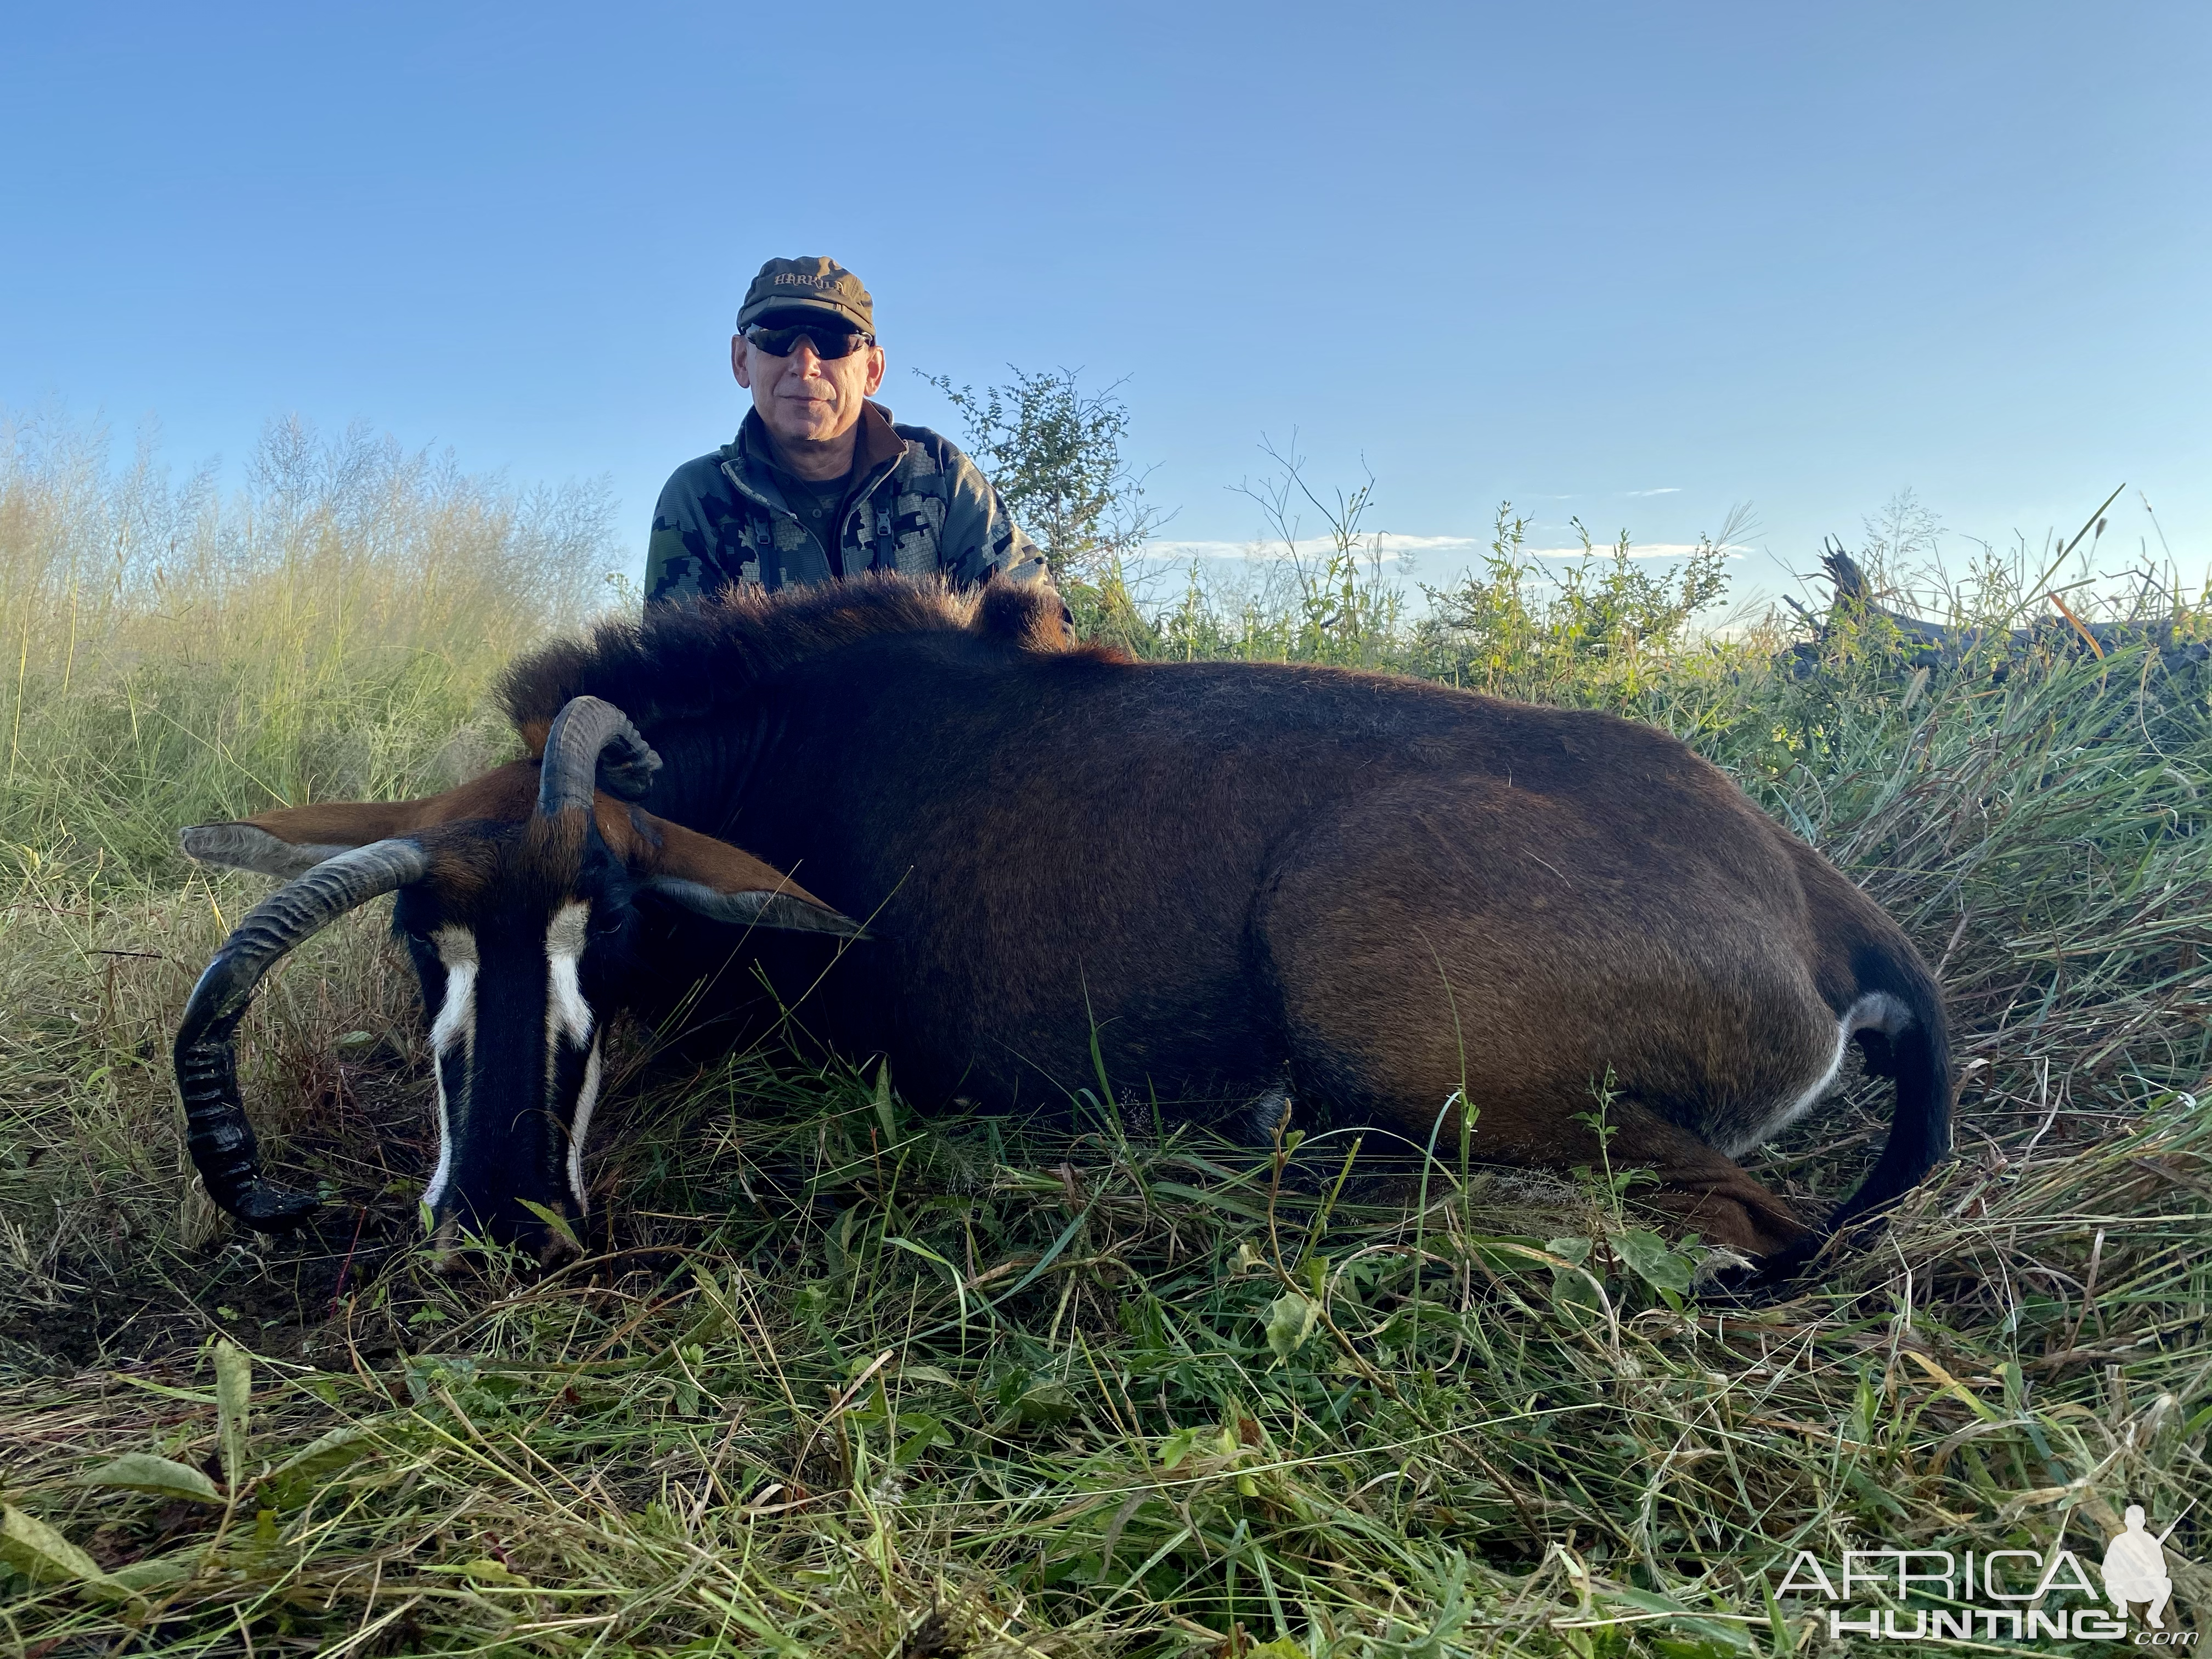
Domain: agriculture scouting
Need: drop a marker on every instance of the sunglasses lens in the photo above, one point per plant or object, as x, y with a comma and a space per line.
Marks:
828, 343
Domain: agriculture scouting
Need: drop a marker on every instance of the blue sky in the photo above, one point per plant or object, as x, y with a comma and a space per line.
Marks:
1632, 262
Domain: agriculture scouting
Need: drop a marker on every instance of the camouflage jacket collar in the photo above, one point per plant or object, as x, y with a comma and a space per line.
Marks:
748, 461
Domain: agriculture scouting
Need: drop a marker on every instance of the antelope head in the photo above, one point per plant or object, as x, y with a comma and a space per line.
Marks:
515, 895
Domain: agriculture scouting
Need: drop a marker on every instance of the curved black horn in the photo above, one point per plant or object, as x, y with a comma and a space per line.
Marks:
221, 1140
585, 728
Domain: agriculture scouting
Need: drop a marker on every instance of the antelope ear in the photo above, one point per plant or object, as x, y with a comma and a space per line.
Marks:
294, 840
718, 881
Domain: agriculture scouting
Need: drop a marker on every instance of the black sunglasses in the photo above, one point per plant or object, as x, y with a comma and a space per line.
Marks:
829, 344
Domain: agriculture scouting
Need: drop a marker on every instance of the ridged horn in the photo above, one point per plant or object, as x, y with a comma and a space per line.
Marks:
585, 730
216, 1131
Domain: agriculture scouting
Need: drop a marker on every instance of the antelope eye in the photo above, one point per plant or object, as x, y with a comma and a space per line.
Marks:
606, 921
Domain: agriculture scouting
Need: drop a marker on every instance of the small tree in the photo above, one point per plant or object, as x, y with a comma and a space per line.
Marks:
1054, 451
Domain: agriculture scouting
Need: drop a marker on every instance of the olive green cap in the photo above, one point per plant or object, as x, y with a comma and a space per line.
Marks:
816, 284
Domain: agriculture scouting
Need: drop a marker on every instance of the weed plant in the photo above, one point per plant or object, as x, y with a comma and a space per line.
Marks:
838, 1379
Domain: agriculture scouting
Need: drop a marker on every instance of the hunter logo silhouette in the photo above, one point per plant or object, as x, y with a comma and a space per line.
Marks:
2135, 1568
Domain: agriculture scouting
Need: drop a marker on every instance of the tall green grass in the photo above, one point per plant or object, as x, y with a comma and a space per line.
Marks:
840, 1379
173, 653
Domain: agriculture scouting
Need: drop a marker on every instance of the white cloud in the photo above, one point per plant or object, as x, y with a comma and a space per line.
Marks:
1637, 551
1308, 547
1671, 489
1433, 550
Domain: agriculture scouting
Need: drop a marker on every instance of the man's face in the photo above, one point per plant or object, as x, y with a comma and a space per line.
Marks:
802, 397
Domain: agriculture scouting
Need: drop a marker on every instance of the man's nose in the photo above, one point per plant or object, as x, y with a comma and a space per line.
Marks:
804, 363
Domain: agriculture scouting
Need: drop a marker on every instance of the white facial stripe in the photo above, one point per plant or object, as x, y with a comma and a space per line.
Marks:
567, 1013
566, 933
455, 945
587, 1098
456, 1023
435, 1192
456, 949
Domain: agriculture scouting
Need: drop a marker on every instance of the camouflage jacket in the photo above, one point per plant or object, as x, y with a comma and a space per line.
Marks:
920, 507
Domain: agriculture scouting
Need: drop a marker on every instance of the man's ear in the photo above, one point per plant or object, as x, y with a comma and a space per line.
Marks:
294, 840
877, 364
725, 883
738, 365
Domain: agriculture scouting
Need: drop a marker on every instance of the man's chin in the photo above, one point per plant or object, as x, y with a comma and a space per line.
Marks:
809, 427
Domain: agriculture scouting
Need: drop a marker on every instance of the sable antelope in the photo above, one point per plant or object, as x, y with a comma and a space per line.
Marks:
1387, 895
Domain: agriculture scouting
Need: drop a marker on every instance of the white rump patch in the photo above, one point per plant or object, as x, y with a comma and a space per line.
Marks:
1877, 1011
456, 1023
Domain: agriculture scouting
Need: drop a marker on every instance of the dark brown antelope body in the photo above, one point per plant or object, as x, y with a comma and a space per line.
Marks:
1388, 896
1381, 890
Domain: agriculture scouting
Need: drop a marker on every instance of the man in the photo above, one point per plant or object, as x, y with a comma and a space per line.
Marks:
819, 484
2134, 1570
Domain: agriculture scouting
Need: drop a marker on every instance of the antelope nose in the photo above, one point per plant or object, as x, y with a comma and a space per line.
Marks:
557, 1250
